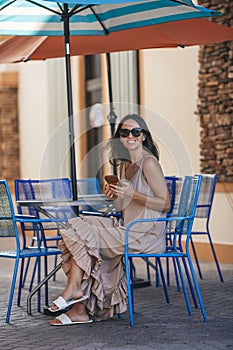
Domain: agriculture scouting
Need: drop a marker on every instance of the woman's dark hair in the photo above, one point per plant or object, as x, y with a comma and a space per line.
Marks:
119, 153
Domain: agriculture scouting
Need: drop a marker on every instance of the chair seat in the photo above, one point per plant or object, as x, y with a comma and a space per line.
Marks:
30, 252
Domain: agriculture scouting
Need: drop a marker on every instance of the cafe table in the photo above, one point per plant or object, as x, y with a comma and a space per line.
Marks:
93, 200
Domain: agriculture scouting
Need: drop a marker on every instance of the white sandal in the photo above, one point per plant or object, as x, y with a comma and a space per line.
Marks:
66, 321
62, 304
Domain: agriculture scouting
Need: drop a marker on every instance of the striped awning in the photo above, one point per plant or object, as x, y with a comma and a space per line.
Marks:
22, 17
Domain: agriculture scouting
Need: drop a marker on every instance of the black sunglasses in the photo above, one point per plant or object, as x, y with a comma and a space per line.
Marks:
136, 132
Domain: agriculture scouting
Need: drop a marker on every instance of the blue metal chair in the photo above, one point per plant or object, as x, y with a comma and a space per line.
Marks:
204, 206
48, 189
8, 228
178, 250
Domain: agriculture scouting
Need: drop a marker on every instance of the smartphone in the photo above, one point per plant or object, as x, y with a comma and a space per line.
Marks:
111, 179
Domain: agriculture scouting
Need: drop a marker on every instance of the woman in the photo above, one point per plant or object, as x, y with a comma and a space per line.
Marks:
93, 247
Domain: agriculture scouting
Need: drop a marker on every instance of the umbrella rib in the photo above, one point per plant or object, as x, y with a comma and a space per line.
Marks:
45, 7
9, 3
181, 2
99, 20
60, 7
77, 9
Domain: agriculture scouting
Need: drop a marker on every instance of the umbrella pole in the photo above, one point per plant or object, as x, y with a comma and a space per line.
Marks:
112, 115
70, 104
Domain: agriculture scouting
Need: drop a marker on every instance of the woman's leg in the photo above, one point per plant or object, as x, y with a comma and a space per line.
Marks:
73, 287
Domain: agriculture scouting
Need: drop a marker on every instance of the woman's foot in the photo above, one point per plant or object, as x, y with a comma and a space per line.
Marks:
77, 314
69, 294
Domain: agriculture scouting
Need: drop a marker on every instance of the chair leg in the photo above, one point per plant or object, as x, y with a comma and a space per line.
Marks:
169, 242
163, 280
28, 263
20, 281
46, 284
55, 258
133, 276
33, 275
130, 301
215, 257
176, 274
213, 252
38, 262
168, 271
26, 272
190, 283
196, 258
184, 287
36, 236
197, 290
156, 274
12, 290
55, 264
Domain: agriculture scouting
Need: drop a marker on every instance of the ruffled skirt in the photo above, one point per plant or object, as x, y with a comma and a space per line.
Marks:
97, 246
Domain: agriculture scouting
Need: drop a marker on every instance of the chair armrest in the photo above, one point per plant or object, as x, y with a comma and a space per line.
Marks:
166, 219
33, 219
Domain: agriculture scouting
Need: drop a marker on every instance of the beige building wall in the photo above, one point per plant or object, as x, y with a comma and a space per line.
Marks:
43, 119
170, 88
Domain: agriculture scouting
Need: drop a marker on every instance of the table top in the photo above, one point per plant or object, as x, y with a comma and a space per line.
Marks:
90, 199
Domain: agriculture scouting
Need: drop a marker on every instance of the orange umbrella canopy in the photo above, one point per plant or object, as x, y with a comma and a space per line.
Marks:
172, 34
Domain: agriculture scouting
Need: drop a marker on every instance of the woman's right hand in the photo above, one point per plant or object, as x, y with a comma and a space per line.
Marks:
110, 191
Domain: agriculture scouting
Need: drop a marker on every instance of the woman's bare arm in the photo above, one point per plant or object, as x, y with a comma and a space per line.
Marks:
155, 178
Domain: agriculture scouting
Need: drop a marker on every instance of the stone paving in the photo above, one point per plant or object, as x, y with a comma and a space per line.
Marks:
158, 325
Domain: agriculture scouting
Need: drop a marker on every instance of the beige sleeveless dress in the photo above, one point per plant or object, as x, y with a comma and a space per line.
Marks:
97, 245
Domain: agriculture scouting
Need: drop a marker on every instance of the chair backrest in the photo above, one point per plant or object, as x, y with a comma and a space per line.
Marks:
206, 195
48, 189
88, 186
187, 205
24, 191
8, 226
174, 185
42, 189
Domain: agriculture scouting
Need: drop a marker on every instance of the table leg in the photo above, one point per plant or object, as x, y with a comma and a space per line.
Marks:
30, 295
